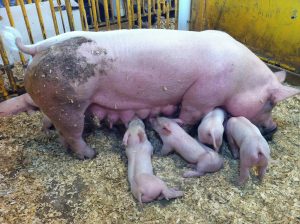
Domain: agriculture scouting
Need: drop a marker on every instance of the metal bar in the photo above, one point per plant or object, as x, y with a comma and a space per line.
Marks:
106, 14
90, 8
12, 23
94, 15
29, 1
17, 2
38, 9
83, 19
70, 15
3, 91
143, 4
54, 17
9, 73
132, 11
118, 14
164, 6
98, 10
176, 14
26, 21
153, 3
168, 15
112, 9
139, 13
61, 15
149, 14
129, 16
158, 13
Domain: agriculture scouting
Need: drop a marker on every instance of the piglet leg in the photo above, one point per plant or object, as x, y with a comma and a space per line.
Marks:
244, 174
262, 172
192, 173
233, 147
169, 193
16, 105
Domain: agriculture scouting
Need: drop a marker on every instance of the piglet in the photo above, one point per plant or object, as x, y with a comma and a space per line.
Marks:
246, 142
210, 130
202, 158
145, 186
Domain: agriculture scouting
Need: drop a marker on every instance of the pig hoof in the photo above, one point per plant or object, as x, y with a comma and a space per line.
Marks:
87, 153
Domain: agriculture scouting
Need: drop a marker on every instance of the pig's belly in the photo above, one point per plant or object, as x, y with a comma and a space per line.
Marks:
124, 95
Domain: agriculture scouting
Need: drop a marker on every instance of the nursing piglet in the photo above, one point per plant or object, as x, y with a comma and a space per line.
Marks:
204, 159
145, 186
246, 142
210, 130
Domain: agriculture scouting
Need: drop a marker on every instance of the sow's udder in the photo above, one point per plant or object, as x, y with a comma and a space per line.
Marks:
125, 116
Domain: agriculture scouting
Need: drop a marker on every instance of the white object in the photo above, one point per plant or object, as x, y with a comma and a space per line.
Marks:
122, 10
184, 14
35, 24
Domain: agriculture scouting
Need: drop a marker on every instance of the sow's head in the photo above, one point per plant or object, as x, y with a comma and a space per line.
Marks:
273, 93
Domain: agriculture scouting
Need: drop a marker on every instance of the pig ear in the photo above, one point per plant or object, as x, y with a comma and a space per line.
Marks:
125, 138
283, 92
142, 136
166, 129
281, 75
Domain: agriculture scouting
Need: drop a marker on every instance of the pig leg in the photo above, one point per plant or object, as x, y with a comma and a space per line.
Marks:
137, 193
47, 124
165, 150
69, 122
192, 173
233, 147
262, 172
16, 105
244, 174
169, 193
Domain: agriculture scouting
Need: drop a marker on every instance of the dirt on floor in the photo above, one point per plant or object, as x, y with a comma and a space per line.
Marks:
41, 183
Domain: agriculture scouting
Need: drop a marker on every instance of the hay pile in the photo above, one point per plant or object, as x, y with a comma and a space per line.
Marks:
41, 183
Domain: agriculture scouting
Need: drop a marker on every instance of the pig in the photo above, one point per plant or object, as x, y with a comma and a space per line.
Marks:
145, 186
211, 129
117, 75
247, 143
204, 159
15, 105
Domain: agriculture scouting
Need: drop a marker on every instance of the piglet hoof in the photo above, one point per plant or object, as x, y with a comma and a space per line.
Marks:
86, 153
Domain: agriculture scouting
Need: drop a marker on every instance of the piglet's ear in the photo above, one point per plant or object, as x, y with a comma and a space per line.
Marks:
142, 136
283, 92
281, 75
125, 138
166, 129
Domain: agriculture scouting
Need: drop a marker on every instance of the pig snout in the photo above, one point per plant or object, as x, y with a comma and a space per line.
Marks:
268, 129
